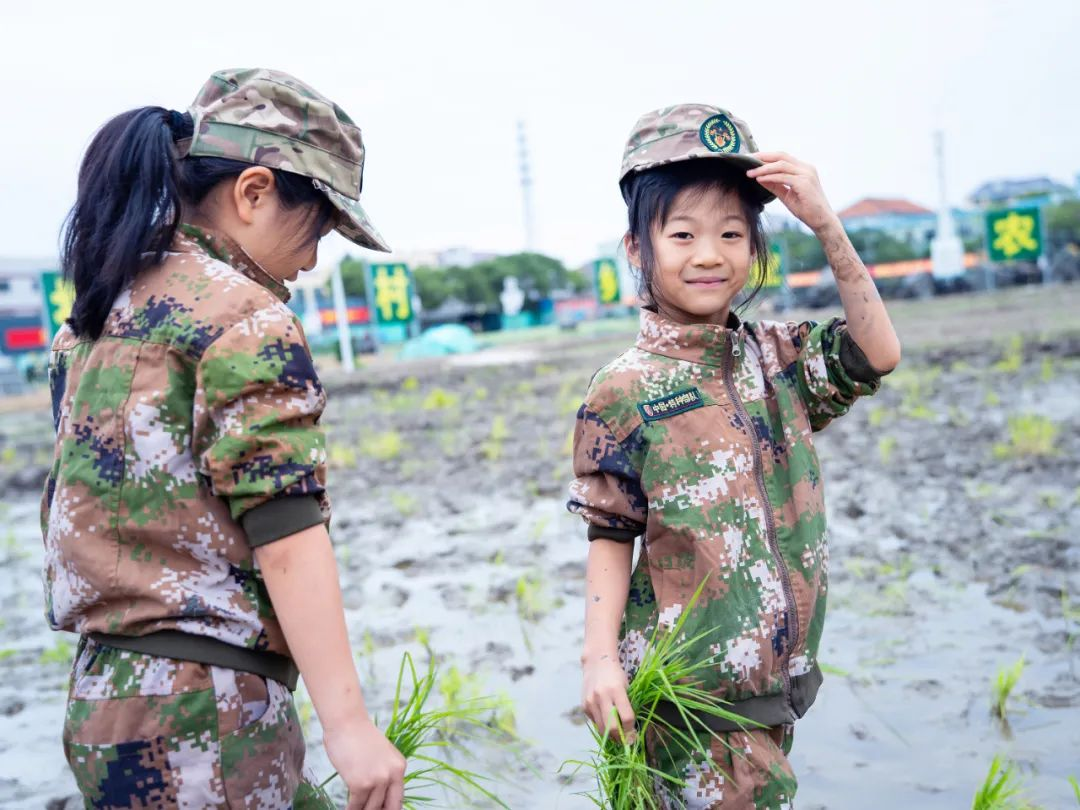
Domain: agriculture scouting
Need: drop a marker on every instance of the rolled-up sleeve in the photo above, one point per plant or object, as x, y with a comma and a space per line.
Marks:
606, 490
831, 370
257, 440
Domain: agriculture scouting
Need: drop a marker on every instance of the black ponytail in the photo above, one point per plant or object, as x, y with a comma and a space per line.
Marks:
125, 214
131, 189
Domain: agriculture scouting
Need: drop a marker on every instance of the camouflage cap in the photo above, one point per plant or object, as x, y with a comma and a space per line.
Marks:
271, 119
688, 132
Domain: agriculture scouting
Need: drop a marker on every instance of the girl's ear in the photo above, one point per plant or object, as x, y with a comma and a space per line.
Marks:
633, 251
251, 192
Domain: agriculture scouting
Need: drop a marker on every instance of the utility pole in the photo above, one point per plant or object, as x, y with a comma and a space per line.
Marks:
526, 188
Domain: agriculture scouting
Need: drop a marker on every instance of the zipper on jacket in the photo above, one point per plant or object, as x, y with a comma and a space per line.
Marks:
770, 524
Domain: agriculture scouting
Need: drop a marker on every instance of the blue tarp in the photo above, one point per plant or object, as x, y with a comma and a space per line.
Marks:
438, 341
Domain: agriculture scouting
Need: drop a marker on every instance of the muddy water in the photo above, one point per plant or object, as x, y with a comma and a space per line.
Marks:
949, 560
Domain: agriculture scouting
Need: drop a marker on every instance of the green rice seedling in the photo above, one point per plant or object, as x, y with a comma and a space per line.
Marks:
624, 778
480, 394
341, 456
419, 733
61, 652
877, 416
423, 638
980, 490
544, 369
886, 446
368, 654
958, 417
405, 504
1002, 789
1046, 371
305, 710
539, 528
7, 455
1004, 683
410, 384
991, 399
1030, 436
532, 600
1076, 788
7, 653
492, 446
1071, 615
1049, 500
568, 446
385, 446
1012, 357
829, 669
438, 399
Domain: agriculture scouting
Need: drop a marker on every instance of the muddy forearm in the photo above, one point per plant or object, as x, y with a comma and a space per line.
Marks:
607, 583
868, 321
302, 579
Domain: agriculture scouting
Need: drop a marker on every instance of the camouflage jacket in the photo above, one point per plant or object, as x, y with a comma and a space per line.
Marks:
185, 435
699, 438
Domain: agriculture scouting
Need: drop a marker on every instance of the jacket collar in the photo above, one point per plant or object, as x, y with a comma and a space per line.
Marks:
704, 343
217, 245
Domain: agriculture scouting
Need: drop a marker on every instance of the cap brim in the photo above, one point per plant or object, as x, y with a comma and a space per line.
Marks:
743, 160
353, 222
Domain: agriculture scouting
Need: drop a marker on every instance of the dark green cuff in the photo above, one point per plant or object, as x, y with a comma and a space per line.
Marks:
618, 535
281, 517
854, 361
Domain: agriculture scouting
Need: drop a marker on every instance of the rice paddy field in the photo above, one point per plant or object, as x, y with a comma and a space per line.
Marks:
953, 635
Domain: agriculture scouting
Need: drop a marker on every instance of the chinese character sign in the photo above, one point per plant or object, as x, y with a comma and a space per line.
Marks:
58, 297
774, 266
391, 293
607, 282
1014, 234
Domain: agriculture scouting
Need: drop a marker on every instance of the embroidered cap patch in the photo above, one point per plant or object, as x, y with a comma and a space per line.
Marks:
719, 134
679, 402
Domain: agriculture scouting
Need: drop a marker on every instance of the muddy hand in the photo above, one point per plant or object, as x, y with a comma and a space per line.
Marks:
796, 185
605, 701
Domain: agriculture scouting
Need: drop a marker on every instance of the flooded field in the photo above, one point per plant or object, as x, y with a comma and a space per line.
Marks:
954, 501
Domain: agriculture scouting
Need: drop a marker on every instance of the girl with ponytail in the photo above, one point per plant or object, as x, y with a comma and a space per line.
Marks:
185, 515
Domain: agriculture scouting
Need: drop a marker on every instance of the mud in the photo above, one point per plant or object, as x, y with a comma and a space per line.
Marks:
954, 552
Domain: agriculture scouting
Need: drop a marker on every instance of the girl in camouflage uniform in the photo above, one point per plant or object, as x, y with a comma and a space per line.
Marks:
185, 515
699, 438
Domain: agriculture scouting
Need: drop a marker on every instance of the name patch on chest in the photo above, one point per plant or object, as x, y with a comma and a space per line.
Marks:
679, 402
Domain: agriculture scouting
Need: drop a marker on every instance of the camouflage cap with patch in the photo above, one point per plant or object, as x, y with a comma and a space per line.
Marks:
272, 119
688, 132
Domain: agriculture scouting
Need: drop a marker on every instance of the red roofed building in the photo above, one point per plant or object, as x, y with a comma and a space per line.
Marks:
875, 207
903, 219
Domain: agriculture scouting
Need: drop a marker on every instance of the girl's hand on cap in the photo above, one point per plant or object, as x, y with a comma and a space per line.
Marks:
797, 186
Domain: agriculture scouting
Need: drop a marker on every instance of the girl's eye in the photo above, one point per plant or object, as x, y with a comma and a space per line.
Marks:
732, 235
682, 235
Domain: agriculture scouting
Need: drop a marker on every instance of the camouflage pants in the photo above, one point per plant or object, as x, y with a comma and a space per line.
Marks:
149, 732
746, 771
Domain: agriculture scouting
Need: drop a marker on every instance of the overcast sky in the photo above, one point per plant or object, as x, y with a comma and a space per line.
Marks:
437, 87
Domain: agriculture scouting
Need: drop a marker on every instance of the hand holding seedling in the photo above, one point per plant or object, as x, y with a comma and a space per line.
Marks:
603, 696
371, 767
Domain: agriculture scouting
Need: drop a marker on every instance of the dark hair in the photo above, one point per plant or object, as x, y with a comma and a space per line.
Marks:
650, 194
132, 186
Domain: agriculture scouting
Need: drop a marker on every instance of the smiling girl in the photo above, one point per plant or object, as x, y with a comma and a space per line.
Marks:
699, 438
